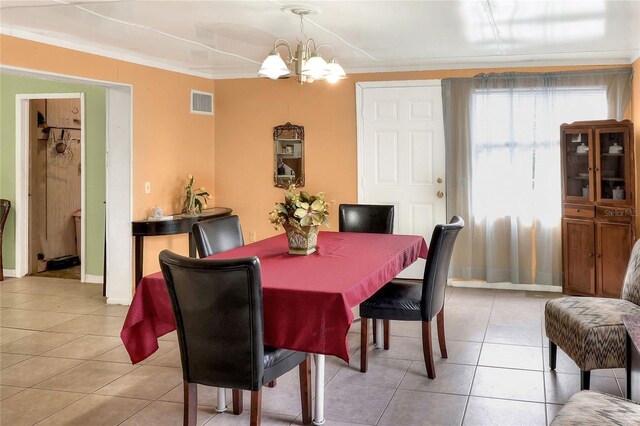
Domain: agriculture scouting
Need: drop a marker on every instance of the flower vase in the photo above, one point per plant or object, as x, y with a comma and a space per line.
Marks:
302, 240
189, 208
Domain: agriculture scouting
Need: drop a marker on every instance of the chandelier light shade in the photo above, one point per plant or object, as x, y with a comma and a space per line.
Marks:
274, 67
335, 71
307, 64
315, 67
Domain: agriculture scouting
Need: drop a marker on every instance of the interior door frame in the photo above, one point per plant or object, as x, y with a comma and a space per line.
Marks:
360, 89
415, 270
23, 130
119, 177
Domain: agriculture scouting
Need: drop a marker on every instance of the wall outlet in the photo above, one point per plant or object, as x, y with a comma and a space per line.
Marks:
147, 187
252, 236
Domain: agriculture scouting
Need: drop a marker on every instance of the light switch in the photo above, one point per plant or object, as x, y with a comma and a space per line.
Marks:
147, 187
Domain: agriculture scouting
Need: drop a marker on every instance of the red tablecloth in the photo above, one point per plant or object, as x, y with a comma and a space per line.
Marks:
307, 299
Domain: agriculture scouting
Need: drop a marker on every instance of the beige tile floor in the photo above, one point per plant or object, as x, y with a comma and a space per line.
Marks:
62, 363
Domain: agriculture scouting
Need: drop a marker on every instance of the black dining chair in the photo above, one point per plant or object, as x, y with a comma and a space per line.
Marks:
373, 219
217, 306
403, 300
370, 218
216, 235
5, 206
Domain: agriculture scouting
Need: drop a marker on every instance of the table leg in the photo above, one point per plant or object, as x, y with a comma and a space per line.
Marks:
139, 253
379, 327
222, 401
318, 415
192, 245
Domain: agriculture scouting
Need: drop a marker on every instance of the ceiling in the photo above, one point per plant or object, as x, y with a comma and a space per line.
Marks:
227, 39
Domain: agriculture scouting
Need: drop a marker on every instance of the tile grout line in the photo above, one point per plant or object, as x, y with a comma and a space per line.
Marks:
396, 389
475, 371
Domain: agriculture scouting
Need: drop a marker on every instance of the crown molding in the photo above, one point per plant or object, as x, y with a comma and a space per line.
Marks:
41, 38
511, 61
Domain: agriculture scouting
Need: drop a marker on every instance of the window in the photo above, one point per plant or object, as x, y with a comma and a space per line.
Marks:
515, 137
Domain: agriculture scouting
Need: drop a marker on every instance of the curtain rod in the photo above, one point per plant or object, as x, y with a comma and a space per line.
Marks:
557, 74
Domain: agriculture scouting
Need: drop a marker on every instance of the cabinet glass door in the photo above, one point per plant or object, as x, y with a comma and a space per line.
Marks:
611, 167
577, 174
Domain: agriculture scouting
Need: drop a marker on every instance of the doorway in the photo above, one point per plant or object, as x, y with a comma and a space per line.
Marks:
118, 211
55, 181
401, 155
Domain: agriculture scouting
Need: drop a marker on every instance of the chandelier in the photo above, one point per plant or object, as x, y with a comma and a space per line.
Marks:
308, 65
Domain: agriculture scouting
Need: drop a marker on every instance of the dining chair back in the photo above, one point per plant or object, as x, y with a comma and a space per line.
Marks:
436, 270
370, 218
5, 206
217, 235
217, 301
218, 311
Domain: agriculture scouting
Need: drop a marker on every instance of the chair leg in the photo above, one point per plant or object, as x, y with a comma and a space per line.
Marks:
441, 339
256, 407
585, 380
364, 343
305, 389
387, 331
237, 401
427, 349
272, 384
190, 404
553, 355
375, 330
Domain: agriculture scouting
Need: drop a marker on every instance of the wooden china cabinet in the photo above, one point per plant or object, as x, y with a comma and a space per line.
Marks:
598, 194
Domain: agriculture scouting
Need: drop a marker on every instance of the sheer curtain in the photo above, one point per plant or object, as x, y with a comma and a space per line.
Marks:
503, 168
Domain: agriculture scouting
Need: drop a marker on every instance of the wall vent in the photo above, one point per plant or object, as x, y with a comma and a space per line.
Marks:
201, 102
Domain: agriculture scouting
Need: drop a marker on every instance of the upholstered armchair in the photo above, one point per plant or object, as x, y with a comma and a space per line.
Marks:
589, 329
595, 408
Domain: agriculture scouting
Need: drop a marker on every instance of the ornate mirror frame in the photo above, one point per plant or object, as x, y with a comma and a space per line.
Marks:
288, 155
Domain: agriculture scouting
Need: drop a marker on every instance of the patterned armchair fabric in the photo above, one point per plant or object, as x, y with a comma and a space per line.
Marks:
595, 408
631, 286
589, 329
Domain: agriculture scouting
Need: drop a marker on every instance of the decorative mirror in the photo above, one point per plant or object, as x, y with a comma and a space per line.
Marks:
288, 142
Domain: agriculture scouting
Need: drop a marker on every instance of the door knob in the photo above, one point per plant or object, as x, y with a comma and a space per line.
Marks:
440, 194
439, 180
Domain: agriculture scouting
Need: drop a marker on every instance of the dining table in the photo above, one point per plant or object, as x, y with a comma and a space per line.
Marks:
307, 299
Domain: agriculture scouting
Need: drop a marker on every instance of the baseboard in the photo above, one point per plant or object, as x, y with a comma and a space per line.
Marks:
112, 301
9, 272
506, 286
93, 279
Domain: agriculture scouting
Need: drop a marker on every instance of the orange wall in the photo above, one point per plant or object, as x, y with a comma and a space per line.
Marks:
248, 109
168, 142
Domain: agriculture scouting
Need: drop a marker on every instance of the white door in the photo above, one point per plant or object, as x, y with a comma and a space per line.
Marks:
401, 155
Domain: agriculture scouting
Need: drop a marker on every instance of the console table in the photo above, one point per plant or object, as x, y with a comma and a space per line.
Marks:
178, 225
